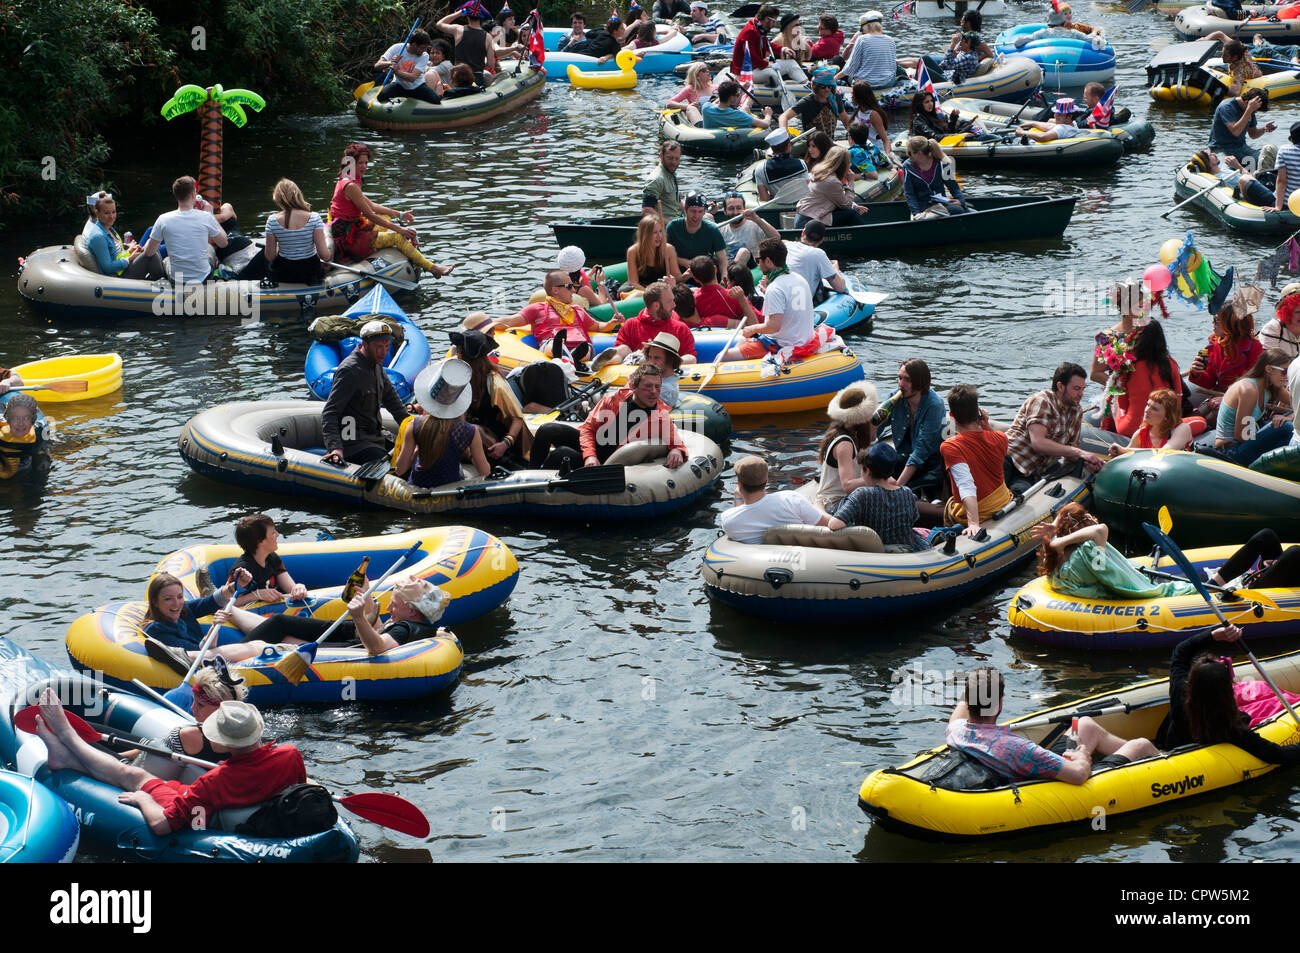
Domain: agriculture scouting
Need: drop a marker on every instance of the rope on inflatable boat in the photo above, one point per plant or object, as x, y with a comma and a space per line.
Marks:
1149, 626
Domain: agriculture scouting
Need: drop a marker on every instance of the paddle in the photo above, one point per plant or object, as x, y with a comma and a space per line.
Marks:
736, 218
717, 361
294, 665
1209, 188
585, 481
366, 87
387, 810
399, 283
58, 387
211, 637
1173, 552
1067, 717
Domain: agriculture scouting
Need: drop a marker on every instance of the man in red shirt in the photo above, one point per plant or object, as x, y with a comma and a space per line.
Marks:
973, 457
253, 773
657, 316
557, 322
753, 37
830, 38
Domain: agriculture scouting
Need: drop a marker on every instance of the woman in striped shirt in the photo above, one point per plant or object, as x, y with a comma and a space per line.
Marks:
295, 238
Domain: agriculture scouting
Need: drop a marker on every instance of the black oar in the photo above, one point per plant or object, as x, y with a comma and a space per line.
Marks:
745, 10
1093, 712
1173, 552
586, 481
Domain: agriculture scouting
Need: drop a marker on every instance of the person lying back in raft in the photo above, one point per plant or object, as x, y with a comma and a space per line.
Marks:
351, 420
408, 63
253, 773
591, 285
413, 609
973, 457
112, 255
558, 322
787, 307
171, 621
725, 114
1060, 127
211, 685
973, 730
756, 511
1245, 185
631, 413
271, 582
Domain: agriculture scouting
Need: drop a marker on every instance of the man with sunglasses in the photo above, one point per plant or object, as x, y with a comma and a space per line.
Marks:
557, 322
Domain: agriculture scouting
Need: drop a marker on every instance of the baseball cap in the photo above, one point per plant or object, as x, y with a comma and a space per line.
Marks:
694, 200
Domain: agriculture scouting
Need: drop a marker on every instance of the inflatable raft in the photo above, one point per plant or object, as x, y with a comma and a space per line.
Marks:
1194, 73
1005, 149
1043, 615
1132, 134
664, 58
1013, 81
101, 372
1274, 23
1212, 502
404, 361
232, 443
808, 573
508, 92
941, 794
62, 280
806, 384
119, 830
36, 825
1222, 204
1068, 58
696, 140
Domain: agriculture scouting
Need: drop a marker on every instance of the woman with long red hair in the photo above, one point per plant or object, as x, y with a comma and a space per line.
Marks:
1231, 352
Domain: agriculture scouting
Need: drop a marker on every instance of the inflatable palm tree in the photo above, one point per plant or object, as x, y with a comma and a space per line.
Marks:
214, 104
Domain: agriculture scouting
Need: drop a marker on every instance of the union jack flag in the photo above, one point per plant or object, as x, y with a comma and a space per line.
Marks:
536, 43
923, 81
1103, 112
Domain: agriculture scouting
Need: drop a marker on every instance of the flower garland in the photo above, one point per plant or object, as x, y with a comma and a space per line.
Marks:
1116, 352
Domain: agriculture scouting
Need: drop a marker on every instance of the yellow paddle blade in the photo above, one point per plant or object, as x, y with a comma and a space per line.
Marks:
1166, 521
952, 140
362, 90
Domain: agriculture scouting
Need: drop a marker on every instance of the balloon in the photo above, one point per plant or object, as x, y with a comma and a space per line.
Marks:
1293, 203
1169, 251
1157, 278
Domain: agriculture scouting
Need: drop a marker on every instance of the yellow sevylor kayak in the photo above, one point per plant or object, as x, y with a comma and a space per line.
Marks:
921, 797
1043, 615
101, 372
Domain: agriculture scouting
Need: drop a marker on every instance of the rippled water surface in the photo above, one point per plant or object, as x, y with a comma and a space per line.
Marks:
608, 711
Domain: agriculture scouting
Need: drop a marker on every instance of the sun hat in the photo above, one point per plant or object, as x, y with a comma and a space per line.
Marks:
472, 344
855, 405
478, 321
824, 76
235, 725
570, 258
777, 136
443, 390
871, 16
1289, 289
668, 342
422, 596
372, 329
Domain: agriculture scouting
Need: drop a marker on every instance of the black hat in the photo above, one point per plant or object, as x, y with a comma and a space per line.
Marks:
694, 200
472, 344
1295, 134
788, 19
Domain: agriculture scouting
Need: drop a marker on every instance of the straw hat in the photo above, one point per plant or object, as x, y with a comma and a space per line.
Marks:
478, 321
235, 725
443, 390
855, 405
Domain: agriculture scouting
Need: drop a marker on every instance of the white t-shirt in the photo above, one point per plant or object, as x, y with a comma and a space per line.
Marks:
748, 522
790, 297
744, 235
408, 61
1065, 130
808, 262
186, 236
1293, 384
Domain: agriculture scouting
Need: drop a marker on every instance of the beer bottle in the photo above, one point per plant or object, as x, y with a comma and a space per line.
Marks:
356, 580
885, 409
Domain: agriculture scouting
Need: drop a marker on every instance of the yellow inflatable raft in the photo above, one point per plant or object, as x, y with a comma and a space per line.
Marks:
624, 78
474, 567
101, 372
1043, 615
922, 798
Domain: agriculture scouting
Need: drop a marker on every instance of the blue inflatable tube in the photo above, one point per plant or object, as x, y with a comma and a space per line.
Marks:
656, 59
404, 363
36, 826
1067, 57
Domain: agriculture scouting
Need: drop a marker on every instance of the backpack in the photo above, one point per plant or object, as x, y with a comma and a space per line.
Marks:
298, 810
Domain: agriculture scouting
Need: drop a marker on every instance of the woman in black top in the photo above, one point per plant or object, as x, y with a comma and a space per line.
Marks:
1202, 707
928, 121
494, 408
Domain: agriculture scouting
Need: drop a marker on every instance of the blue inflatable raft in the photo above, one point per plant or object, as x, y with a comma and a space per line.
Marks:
1068, 58
404, 362
36, 826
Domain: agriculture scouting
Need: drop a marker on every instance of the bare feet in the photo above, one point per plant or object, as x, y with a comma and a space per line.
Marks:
442, 271
58, 756
52, 714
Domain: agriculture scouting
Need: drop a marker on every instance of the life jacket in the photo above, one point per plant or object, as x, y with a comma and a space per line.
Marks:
16, 452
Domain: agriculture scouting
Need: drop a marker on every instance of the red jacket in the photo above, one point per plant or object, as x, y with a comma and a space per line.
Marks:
658, 427
241, 780
759, 49
828, 46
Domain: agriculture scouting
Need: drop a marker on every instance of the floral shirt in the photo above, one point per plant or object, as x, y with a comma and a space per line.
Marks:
997, 747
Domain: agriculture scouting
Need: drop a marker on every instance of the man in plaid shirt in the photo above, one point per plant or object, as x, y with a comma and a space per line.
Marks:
1047, 428
962, 60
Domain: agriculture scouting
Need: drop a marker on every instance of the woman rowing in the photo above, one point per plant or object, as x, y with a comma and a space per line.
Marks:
354, 217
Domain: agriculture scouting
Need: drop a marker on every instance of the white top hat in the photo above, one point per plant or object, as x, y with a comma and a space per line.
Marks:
443, 390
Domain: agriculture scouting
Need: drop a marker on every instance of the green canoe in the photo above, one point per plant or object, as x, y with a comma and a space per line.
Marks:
407, 114
1212, 502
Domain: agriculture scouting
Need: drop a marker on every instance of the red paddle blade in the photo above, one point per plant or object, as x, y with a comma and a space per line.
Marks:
25, 720
388, 810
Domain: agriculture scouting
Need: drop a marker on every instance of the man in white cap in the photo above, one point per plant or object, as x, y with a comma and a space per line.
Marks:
591, 287
782, 172
351, 421
711, 28
874, 59
253, 773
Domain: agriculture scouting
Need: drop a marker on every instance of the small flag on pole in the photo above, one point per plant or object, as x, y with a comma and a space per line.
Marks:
923, 81
1104, 111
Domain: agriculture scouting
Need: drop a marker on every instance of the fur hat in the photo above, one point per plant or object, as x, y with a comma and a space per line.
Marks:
422, 596
855, 405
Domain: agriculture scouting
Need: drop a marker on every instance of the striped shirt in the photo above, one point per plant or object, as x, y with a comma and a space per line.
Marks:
874, 61
891, 513
1288, 157
295, 244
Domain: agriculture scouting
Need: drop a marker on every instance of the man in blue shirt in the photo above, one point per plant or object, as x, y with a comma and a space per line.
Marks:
1234, 120
918, 421
726, 115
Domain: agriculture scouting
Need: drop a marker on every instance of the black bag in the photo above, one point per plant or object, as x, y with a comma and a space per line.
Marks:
295, 812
